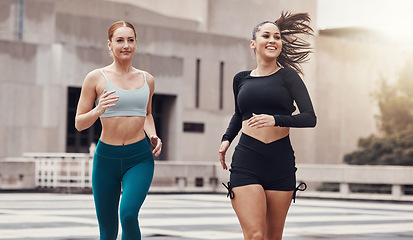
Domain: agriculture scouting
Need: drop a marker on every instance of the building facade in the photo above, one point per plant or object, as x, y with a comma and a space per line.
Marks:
193, 51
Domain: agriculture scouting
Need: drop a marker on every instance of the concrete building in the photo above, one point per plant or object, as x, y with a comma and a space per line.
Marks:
193, 49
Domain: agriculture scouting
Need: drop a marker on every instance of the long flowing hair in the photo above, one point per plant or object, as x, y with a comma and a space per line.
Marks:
295, 49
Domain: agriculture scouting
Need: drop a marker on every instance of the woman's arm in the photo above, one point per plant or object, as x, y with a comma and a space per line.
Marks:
235, 124
299, 92
86, 114
149, 125
305, 118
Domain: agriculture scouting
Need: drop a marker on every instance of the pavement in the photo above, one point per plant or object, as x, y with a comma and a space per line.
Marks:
54, 216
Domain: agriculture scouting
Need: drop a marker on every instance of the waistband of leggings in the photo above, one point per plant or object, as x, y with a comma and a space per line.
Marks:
253, 142
122, 151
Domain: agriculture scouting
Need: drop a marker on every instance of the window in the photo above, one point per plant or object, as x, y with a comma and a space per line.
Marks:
197, 73
221, 85
162, 111
193, 127
78, 141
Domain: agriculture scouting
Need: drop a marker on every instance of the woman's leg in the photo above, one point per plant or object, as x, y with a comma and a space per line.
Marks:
136, 182
250, 206
106, 191
278, 203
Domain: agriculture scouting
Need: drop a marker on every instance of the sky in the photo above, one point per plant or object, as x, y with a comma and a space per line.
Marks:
388, 15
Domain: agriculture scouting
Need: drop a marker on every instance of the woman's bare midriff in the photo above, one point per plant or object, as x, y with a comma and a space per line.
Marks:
122, 130
265, 134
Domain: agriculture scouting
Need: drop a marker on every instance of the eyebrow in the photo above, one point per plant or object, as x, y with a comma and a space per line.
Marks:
126, 37
270, 33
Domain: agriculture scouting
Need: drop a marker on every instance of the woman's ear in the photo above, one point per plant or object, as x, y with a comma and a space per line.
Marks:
109, 45
252, 44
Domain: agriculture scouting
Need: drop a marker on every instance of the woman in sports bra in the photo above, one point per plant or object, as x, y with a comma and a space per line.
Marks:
262, 180
121, 96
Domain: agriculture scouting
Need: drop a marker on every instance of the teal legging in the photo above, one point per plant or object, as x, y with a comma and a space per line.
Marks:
130, 167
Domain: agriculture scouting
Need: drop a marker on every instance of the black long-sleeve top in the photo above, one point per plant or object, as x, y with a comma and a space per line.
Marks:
274, 95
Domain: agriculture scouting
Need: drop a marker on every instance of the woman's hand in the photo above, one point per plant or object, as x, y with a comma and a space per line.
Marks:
157, 143
261, 120
222, 150
106, 101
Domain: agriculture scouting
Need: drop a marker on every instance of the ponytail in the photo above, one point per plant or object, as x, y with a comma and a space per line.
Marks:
295, 49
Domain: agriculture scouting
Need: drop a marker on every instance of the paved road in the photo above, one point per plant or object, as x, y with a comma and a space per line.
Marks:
199, 216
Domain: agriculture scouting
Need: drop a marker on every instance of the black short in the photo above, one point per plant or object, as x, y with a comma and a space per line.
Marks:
270, 165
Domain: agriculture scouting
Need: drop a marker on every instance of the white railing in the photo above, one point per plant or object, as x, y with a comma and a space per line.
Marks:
56, 170
74, 170
345, 175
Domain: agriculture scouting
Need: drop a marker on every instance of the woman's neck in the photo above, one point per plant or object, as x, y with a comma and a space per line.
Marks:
265, 68
123, 67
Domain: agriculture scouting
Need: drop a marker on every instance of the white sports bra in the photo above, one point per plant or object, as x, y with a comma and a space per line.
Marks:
130, 102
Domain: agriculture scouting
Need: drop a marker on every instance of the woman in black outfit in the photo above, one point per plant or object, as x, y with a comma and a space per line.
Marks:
262, 182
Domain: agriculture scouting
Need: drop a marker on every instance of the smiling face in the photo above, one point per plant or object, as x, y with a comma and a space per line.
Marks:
267, 43
123, 43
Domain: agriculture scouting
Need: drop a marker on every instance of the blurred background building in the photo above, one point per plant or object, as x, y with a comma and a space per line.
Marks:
193, 49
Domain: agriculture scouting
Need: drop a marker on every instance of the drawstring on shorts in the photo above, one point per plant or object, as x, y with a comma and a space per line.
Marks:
230, 193
301, 187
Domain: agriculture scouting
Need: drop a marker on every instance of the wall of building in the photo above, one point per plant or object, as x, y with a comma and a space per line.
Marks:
67, 45
195, 11
19, 174
59, 42
348, 74
239, 17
